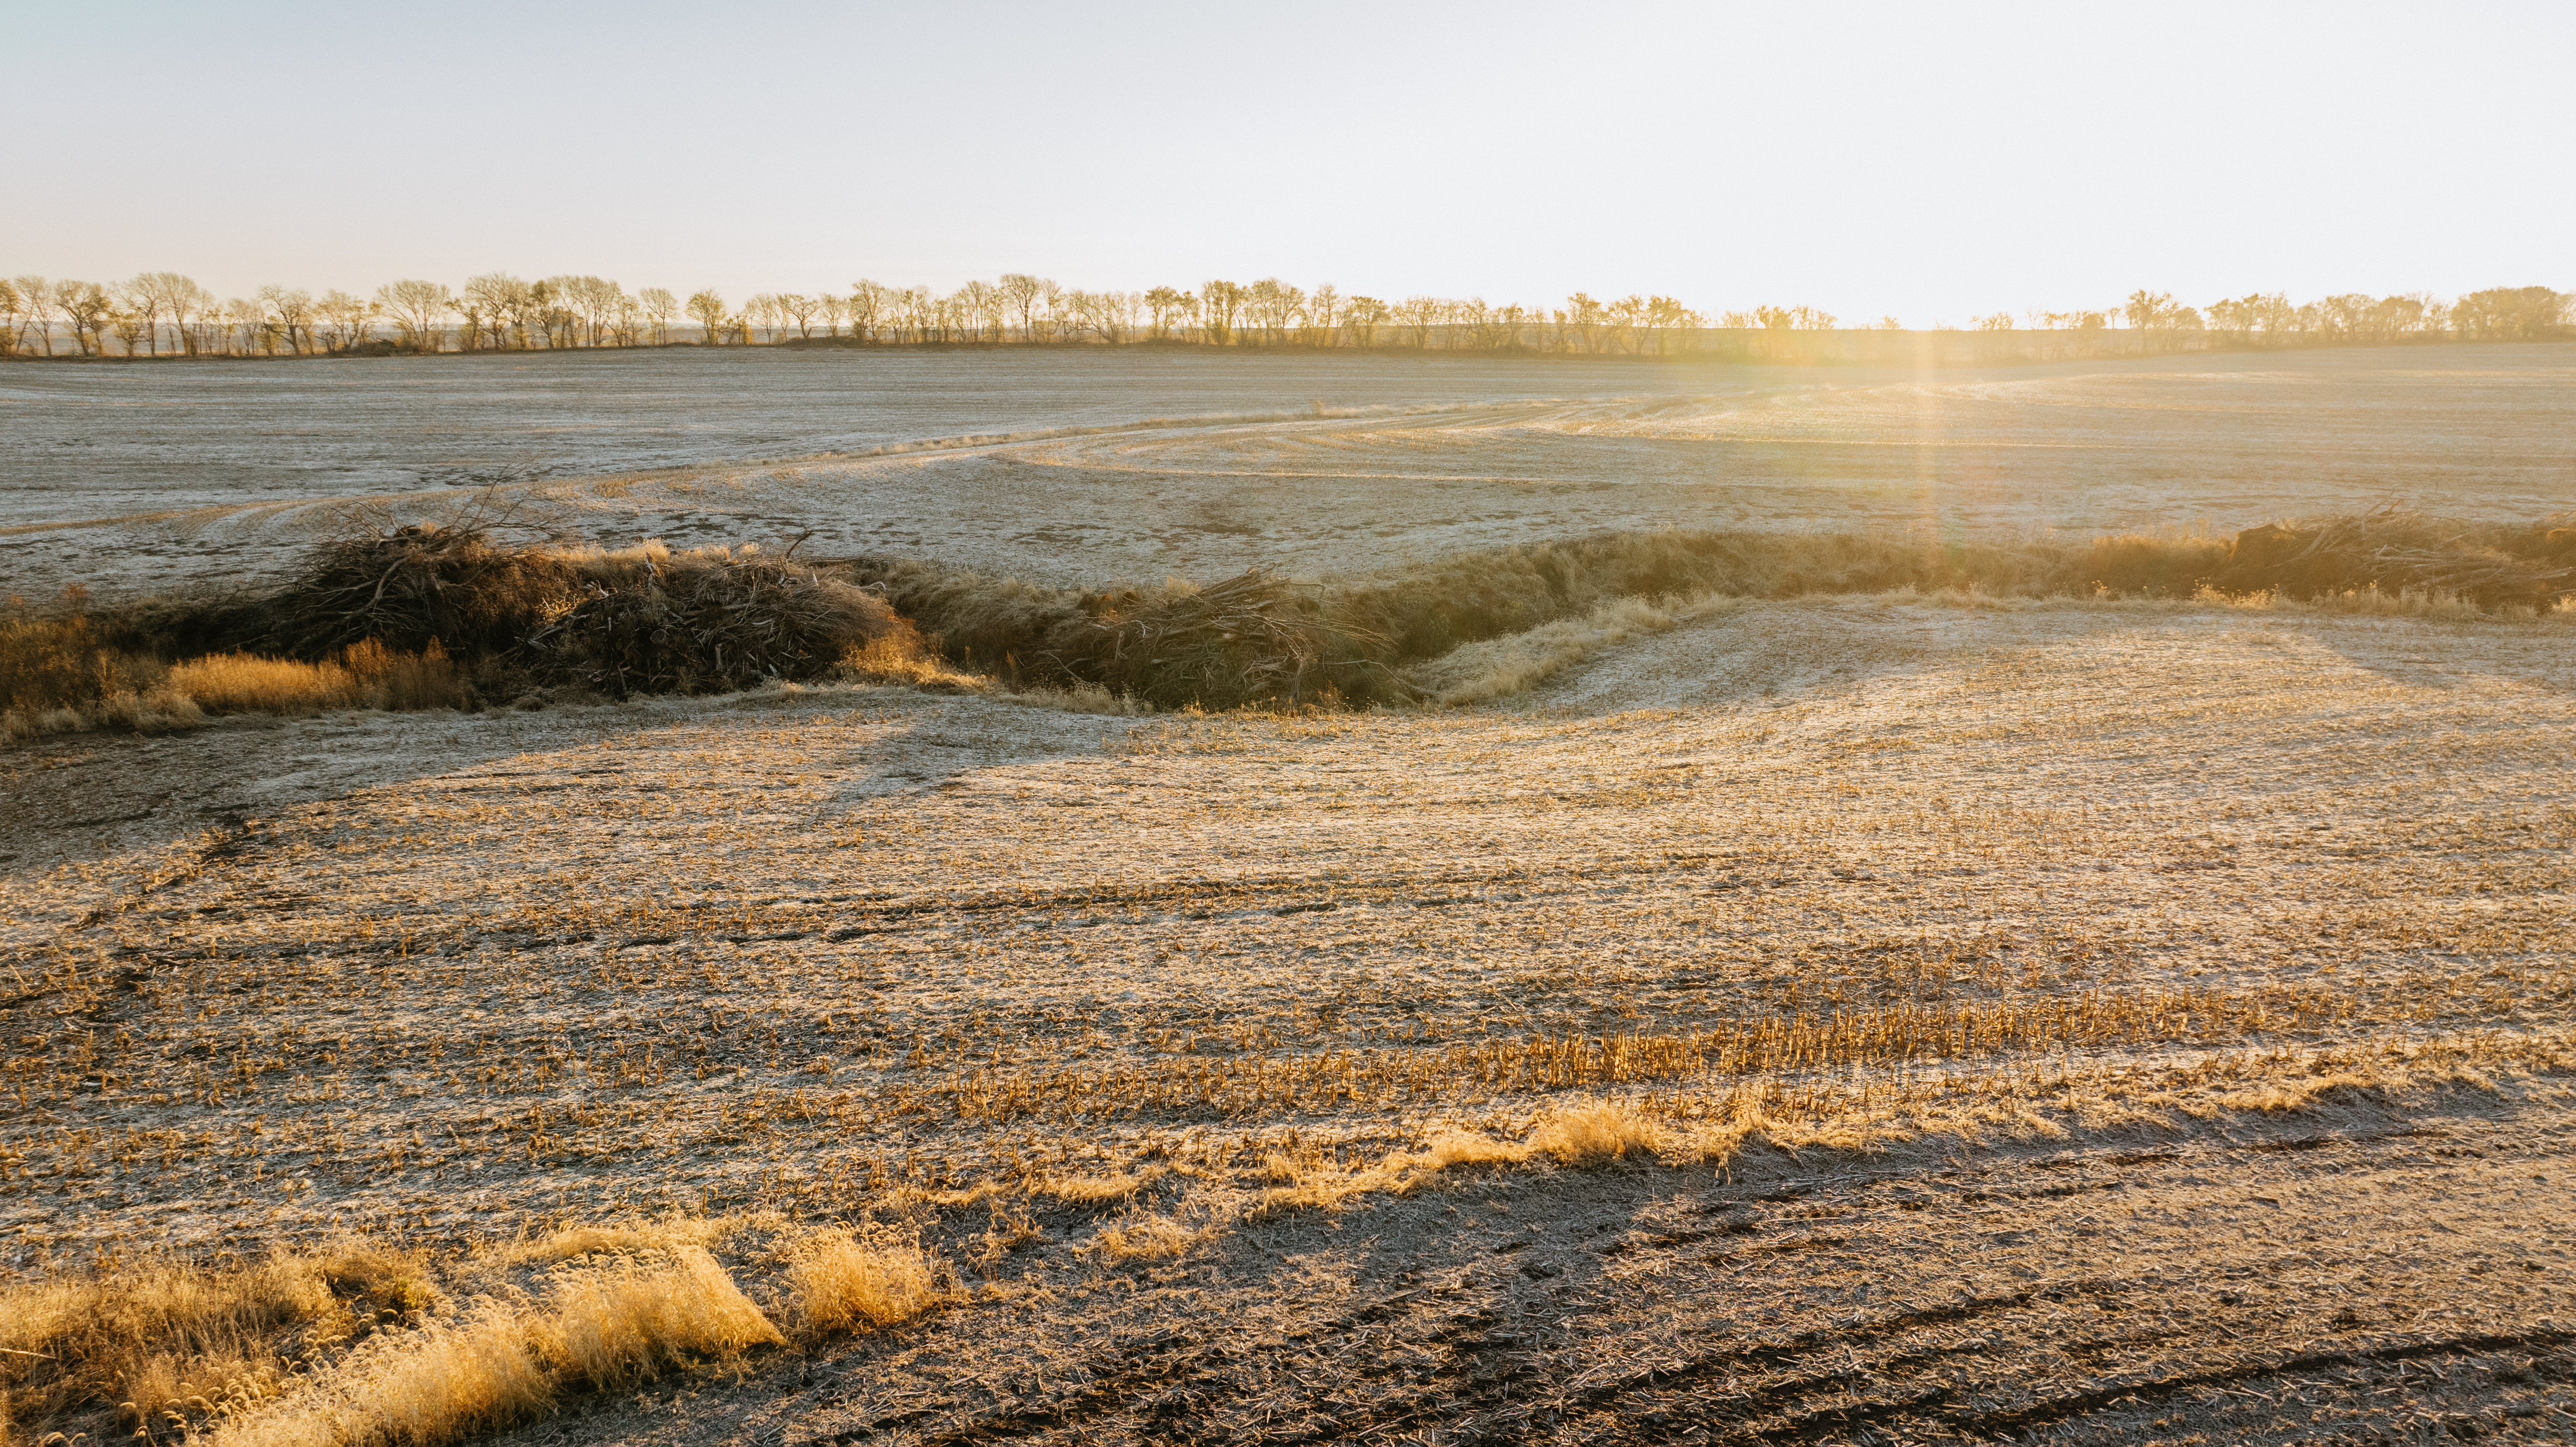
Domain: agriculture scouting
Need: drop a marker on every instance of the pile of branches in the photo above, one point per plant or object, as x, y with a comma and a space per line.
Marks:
1257, 638
1253, 639
2395, 550
703, 623
409, 586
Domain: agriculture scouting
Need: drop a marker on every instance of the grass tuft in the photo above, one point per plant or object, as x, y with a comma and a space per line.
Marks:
839, 1284
616, 1325
1597, 1133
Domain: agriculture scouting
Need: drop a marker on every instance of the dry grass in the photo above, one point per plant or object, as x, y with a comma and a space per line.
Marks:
61, 674
157, 1343
364, 675
1596, 1133
1146, 1236
839, 1284
372, 618
627, 1302
900, 656
1478, 625
1494, 668
445, 1382
624, 1304
627, 1322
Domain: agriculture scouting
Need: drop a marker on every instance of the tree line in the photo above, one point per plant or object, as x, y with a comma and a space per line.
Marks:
164, 313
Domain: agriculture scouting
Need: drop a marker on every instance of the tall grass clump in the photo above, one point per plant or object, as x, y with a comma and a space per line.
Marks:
1261, 638
162, 1346
839, 1284
65, 673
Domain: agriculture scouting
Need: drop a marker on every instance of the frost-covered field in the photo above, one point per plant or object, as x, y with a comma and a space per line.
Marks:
1200, 466
2120, 1018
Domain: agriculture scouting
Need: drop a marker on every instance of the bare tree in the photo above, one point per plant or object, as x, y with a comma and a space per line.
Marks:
1666, 316
2521, 313
801, 309
186, 303
1421, 313
867, 304
36, 296
1263, 305
659, 307
13, 311
292, 309
1105, 312
583, 307
1055, 308
1364, 315
141, 301
2146, 311
240, 319
550, 310
709, 309
1323, 312
1164, 303
831, 306
497, 302
347, 319
920, 312
1022, 293
1586, 317
1218, 302
85, 308
981, 304
416, 307
129, 326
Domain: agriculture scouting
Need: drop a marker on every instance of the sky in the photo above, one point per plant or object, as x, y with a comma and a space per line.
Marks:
1932, 162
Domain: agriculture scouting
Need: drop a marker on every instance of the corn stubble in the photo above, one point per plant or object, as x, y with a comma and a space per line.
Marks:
1818, 875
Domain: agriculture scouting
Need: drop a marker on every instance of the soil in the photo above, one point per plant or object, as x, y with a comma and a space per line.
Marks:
2275, 898
2361, 1276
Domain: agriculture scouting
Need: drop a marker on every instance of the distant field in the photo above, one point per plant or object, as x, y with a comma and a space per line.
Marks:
222, 471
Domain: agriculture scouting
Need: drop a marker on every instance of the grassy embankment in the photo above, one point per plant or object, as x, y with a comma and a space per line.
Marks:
446, 618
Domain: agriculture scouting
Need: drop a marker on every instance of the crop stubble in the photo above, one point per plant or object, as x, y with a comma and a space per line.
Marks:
808, 950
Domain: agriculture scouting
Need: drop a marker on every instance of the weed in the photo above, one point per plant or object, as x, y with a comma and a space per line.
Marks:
839, 1284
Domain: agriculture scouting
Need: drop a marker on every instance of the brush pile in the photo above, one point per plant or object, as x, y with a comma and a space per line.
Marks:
411, 585
701, 623
2395, 551
1253, 639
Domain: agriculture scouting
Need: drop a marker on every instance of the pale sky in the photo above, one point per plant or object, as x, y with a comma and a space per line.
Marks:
1927, 161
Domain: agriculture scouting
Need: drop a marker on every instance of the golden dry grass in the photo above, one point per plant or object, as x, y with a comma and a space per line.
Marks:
625, 1322
839, 1284
129, 692
623, 1302
447, 1381
1146, 1236
160, 1342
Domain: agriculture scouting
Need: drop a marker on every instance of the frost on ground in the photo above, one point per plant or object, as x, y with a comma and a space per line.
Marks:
1204, 480
461, 972
1935, 957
